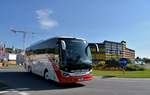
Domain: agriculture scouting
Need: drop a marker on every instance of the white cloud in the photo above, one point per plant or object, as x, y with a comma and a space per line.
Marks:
45, 20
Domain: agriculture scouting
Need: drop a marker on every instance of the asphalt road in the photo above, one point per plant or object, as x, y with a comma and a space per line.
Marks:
23, 83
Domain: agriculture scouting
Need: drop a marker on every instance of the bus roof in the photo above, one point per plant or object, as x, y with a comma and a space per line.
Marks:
58, 37
67, 37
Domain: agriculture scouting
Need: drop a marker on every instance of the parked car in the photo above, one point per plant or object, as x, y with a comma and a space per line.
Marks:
20, 59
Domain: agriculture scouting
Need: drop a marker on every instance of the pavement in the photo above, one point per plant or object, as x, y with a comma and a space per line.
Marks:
22, 83
147, 66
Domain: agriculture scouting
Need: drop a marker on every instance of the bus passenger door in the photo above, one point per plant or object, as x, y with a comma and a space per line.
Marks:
34, 67
42, 64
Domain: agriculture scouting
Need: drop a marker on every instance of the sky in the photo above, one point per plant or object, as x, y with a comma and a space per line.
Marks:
94, 20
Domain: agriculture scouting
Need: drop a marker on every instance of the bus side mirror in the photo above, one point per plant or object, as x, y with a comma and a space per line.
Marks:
97, 49
63, 44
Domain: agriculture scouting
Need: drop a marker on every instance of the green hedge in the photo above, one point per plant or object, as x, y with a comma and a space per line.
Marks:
114, 65
134, 67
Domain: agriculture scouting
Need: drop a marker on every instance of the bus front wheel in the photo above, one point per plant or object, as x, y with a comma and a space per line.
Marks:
29, 69
46, 75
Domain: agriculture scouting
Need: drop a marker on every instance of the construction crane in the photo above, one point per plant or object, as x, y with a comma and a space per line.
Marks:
24, 36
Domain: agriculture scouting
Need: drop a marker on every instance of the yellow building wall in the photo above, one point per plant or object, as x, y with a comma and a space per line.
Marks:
12, 62
98, 56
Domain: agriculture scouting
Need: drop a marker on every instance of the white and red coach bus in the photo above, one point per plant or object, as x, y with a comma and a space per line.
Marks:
61, 59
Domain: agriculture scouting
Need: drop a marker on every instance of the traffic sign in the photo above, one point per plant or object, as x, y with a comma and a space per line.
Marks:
123, 62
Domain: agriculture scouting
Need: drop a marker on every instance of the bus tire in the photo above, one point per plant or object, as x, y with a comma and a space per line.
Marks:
46, 75
29, 69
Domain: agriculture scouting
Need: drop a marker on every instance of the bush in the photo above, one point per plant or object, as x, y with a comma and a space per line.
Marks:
98, 65
112, 63
129, 61
134, 67
108, 65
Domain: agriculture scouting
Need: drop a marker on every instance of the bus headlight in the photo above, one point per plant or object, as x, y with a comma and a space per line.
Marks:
65, 74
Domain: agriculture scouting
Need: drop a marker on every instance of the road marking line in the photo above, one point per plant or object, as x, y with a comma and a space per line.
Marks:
23, 93
14, 91
3, 92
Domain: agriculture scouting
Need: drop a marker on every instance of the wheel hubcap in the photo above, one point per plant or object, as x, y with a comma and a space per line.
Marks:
46, 76
29, 69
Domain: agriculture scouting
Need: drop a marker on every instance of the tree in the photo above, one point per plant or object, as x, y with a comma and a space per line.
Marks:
146, 60
8, 50
138, 59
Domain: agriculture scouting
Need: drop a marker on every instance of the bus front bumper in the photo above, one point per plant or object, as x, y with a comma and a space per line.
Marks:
74, 79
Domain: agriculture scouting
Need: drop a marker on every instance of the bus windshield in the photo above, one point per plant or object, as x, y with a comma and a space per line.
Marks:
77, 55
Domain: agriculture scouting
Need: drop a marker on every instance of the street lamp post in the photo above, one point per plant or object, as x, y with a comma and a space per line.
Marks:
24, 37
